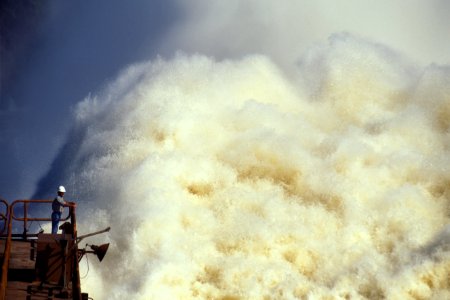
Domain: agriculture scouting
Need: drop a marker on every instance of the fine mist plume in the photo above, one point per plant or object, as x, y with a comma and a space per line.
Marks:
232, 179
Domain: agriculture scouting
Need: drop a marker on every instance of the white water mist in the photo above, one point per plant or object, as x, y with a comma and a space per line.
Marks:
232, 180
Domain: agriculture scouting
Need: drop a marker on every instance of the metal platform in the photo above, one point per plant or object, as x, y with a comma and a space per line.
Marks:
22, 283
38, 266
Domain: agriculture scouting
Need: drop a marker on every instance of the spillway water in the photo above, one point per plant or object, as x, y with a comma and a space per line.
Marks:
233, 179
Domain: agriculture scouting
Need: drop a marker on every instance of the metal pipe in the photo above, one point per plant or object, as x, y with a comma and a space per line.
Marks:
6, 256
25, 215
19, 235
91, 234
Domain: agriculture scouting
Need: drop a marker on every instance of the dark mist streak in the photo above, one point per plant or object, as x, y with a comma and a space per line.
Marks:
80, 46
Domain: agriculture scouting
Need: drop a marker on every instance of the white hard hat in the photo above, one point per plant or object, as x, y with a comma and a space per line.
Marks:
61, 189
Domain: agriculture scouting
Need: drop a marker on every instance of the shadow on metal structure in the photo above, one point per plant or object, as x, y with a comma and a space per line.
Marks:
42, 262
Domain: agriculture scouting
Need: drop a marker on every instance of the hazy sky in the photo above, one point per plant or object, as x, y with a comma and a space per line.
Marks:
76, 48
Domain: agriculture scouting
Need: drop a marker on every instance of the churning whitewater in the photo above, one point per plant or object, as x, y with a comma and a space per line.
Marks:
235, 179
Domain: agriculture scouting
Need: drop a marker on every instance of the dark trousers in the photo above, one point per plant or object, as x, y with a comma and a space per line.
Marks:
56, 216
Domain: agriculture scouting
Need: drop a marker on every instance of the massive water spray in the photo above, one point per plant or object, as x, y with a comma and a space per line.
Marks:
233, 180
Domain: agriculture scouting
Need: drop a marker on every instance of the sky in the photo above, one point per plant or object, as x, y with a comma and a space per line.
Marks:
70, 50
238, 148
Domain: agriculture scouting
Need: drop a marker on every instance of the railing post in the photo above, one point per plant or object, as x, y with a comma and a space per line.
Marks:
6, 254
76, 285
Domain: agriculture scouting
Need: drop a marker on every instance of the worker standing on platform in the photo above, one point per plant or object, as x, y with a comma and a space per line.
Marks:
58, 207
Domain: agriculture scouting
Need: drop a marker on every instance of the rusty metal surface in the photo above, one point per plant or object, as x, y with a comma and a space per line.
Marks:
22, 254
7, 290
34, 290
53, 261
22, 280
